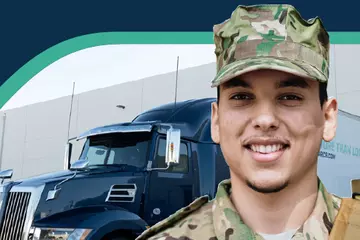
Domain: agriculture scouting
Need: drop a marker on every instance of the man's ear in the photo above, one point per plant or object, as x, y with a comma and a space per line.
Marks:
215, 134
330, 109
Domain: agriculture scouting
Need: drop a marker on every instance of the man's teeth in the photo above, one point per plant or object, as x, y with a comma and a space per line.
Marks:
266, 148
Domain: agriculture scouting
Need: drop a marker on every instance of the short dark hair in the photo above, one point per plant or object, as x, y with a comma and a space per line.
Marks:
323, 95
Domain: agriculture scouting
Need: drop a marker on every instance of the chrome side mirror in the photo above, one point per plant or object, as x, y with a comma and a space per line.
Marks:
172, 146
6, 174
79, 165
67, 155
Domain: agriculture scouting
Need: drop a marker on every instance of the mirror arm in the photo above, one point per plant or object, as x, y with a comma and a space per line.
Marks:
157, 169
65, 180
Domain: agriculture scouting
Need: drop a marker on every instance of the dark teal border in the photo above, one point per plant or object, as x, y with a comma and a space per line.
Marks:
44, 59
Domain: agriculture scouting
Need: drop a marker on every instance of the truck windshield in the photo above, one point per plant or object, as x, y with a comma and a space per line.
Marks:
118, 149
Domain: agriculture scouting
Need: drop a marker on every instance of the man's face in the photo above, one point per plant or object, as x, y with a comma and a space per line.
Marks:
269, 125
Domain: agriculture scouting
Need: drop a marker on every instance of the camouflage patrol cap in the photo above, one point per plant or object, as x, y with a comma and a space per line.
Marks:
270, 36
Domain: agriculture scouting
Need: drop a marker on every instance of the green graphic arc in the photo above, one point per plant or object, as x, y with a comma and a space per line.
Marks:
54, 53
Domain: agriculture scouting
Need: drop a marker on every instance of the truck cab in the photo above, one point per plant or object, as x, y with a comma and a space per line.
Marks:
129, 176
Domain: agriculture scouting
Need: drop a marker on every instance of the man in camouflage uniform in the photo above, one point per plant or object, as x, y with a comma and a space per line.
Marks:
270, 118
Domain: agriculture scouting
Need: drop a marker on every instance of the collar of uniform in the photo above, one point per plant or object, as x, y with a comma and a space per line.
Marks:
228, 223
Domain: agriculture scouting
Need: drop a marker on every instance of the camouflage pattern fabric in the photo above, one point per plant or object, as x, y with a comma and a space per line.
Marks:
219, 220
272, 37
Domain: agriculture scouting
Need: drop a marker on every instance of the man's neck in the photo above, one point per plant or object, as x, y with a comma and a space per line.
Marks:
277, 212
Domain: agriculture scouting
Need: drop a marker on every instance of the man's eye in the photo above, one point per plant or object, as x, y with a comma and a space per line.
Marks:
290, 97
241, 97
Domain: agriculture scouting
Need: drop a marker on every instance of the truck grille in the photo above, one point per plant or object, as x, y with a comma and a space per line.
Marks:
15, 216
122, 193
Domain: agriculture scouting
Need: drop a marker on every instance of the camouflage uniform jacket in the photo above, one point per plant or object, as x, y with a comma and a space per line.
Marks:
219, 220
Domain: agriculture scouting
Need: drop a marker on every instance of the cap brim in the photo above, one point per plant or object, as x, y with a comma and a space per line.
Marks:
238, 68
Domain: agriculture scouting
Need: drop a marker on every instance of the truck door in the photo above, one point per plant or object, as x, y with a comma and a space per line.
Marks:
171, 189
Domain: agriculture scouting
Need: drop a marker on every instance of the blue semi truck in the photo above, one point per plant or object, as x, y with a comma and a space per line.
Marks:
129, 177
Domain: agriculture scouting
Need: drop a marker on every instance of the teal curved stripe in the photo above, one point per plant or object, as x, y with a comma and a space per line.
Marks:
54, 53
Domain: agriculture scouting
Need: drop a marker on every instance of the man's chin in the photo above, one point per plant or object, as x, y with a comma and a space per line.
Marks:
267, 187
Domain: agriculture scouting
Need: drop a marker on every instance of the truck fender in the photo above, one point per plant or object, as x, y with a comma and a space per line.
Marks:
102, 220
115, 220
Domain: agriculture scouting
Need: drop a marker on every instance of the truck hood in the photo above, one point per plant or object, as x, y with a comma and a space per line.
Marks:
46, 178
87, 189
55, 177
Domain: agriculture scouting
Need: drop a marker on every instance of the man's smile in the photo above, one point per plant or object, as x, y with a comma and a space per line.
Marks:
266, 149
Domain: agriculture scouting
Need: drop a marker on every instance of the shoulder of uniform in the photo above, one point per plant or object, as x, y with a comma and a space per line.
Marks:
175, 218
336, 201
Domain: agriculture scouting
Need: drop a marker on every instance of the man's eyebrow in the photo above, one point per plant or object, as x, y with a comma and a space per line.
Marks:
293, 82
236, 82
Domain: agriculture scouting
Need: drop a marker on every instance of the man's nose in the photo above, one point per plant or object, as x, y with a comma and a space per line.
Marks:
265, 118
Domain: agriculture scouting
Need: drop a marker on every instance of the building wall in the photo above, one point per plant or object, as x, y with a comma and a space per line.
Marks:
347, 75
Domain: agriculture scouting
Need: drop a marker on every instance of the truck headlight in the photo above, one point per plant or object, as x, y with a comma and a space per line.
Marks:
59, 233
